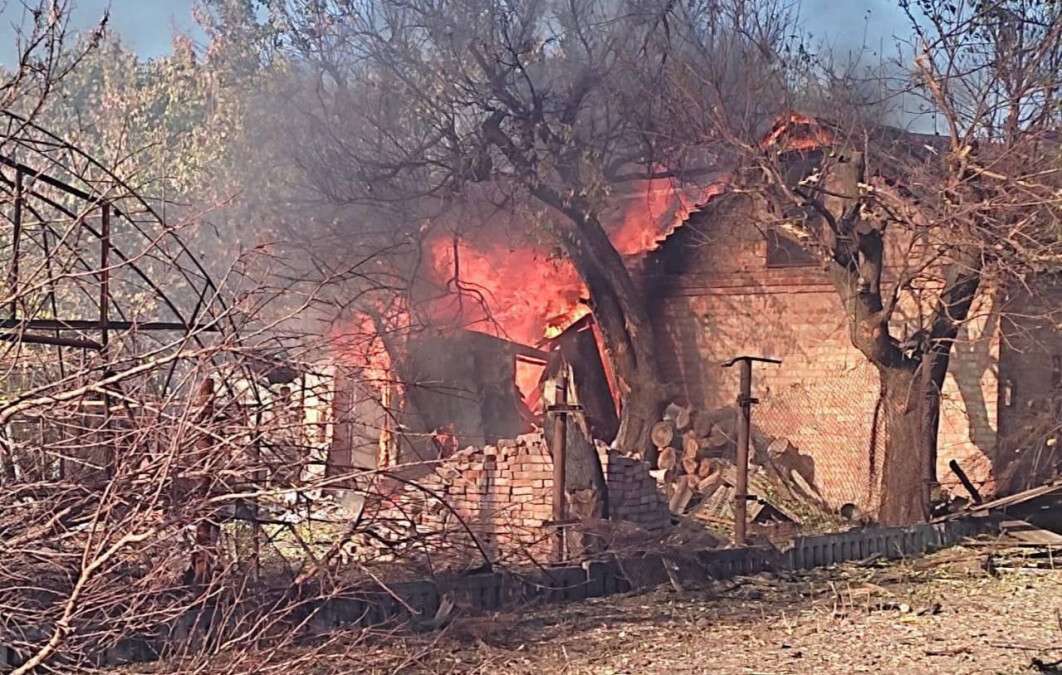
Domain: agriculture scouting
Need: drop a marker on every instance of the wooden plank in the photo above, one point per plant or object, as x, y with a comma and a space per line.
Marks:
1028, 533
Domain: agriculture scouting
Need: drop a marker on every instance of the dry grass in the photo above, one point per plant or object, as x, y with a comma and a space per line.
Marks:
945, 613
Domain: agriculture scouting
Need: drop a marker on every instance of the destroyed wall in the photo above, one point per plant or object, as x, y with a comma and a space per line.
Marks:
465, 382
361, 422
717, 297
1030, 378
504, 494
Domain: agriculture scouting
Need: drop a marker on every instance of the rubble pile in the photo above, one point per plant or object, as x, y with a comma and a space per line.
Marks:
503, 494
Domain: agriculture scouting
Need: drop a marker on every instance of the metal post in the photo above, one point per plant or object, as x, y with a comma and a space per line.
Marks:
105, 273
741, 490
16, 239
105, 301
560, 455
744, 430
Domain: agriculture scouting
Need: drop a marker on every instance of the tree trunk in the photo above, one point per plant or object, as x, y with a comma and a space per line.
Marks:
617, 304
899, 435
962, 282
907, 422
620, 311
898, 494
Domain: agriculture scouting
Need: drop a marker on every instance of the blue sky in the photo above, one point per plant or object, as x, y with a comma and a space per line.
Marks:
147, 25
849, 24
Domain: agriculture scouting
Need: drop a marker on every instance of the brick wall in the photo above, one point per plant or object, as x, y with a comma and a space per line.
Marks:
969, 406
1030, 375
716, 299
634, 495
504, 494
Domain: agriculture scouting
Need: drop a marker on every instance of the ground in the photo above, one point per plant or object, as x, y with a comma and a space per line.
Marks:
983, 607
952, 612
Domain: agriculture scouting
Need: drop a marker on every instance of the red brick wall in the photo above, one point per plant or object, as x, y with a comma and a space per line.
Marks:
1030, 374
716, 299
504, 494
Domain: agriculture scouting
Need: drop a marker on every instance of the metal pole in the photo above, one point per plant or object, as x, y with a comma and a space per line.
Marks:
16, 239
560, 452
741, 490
105, 273
744, 429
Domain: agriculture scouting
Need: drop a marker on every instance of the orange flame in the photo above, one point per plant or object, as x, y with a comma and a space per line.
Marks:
526, 293
514, 293
797, 132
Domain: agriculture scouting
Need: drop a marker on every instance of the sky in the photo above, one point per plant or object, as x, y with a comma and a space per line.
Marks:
147, 26
851, 24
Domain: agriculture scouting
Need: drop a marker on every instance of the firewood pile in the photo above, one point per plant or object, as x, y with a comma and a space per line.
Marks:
697, 449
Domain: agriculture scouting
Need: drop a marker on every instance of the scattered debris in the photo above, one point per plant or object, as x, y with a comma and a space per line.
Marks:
1026, 533
942, 614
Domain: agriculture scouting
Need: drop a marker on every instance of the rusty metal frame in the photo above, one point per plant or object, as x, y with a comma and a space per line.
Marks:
55, 182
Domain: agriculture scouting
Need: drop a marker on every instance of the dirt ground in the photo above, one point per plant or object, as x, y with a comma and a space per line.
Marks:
963, 610
984, 607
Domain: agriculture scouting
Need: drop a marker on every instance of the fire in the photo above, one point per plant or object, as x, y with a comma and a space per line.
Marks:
525, 294
515, 293
796, 132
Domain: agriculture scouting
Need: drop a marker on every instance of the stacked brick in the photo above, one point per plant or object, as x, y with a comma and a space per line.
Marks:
503, 494
634, 495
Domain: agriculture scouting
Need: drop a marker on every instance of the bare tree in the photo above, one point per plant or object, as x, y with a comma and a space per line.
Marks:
142, 454
905, 220
536, 107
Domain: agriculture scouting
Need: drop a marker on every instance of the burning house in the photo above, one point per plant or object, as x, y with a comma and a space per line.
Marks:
726, 284
720, 283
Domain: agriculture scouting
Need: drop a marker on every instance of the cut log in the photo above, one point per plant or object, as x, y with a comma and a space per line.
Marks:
690, 465
662, 433
691, 445
667, 458
705, 468
681, 495
706, 486
682, 418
